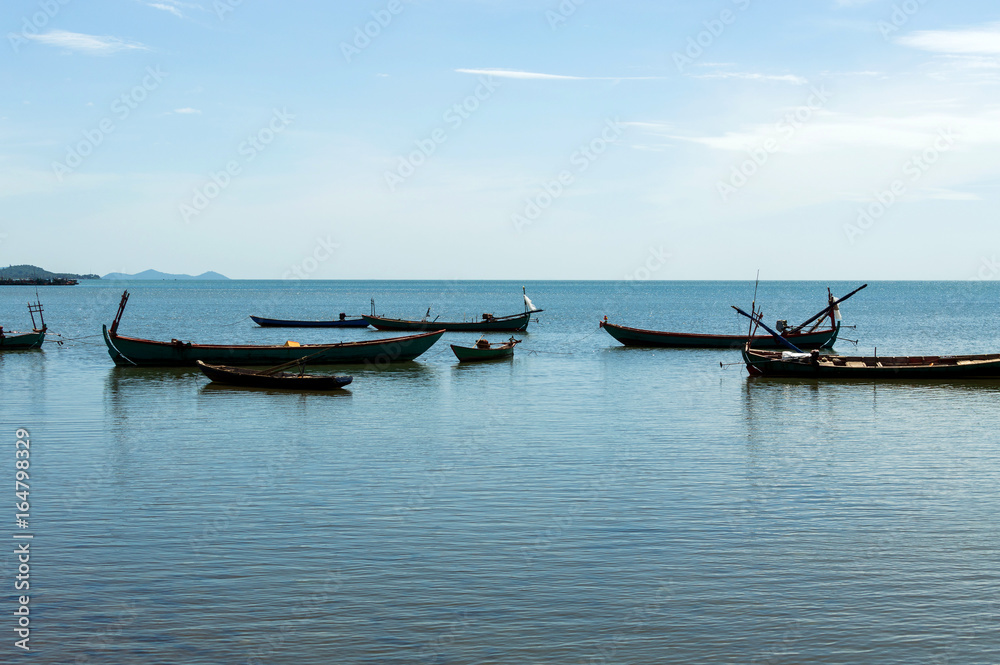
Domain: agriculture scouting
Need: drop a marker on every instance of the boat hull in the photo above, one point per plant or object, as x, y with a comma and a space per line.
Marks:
21, 341
470, 355
819, 339
132, 351
513, 323
237, 376
289, 323
762, 363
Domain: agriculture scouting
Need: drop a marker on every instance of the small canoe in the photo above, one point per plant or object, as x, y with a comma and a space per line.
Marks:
292, 323
817, 339
239, 376
821, 366
485, 351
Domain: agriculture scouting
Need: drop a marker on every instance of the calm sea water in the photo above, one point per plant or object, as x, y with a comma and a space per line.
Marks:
584, 503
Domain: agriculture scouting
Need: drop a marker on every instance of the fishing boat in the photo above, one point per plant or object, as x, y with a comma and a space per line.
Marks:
342, 322
823, 338
15, 341
487, 323
241, 376
483, 350
794, 362
133, 351
821, 366
806, 335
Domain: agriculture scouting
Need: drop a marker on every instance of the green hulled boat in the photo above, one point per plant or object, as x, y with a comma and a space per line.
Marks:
133, 351
485, 351
16, 341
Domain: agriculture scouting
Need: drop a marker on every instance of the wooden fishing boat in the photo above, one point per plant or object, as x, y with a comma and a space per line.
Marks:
14, 341
240, 376
817, 339
822, 366
483, 350
488, 322
806, 335
10, 341
342, 322
133, 351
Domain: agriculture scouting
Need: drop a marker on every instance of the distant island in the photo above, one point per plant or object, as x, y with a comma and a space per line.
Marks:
156, 274
28, 275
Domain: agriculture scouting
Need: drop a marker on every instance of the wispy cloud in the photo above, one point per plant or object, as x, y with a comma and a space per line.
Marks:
754, 76
970, 41
187, 110
92, 44
167, 8
172, 6
513, 74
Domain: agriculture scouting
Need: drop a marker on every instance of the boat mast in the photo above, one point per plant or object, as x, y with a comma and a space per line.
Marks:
118, 316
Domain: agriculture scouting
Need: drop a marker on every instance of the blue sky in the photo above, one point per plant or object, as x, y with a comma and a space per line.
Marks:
489, 139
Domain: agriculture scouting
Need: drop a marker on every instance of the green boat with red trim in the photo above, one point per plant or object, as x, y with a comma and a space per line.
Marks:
137, 352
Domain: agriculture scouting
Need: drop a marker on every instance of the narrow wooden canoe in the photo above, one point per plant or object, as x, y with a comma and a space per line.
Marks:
240, 376
291, 323
467, 354
11, 341
132, 351
512, 323
817, 339
815, 365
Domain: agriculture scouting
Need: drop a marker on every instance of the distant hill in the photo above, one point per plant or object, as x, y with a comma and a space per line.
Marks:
156, 274
34, 272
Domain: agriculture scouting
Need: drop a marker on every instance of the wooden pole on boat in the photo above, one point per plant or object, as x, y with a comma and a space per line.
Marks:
753, 307
118, 316
828, 309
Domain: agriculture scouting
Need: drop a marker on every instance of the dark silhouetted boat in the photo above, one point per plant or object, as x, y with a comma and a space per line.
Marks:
803, 336
342, 322
488, 322
241, 376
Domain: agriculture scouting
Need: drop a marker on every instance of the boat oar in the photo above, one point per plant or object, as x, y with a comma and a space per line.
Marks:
781, 340
828, 308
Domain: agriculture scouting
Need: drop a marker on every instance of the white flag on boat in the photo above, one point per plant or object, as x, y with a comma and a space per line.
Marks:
836, 313
530, 305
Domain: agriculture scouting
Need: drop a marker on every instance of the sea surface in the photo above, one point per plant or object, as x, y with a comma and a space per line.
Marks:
583, 503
